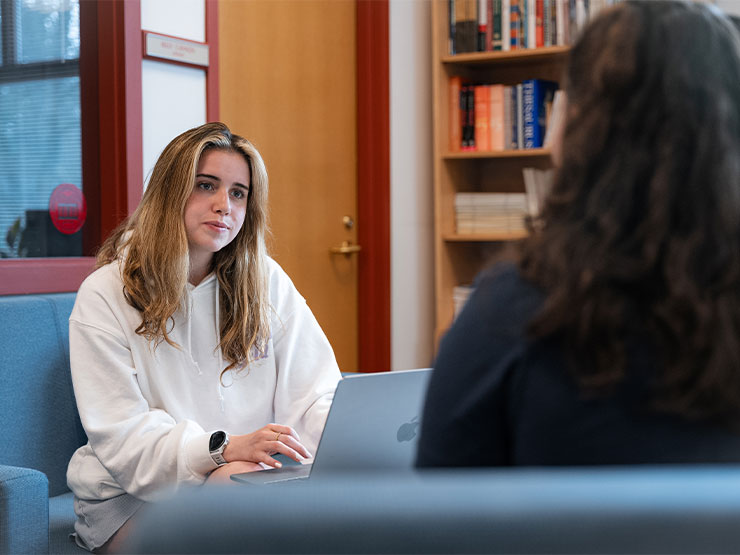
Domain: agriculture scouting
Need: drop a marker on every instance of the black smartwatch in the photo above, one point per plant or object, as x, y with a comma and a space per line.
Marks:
219, 441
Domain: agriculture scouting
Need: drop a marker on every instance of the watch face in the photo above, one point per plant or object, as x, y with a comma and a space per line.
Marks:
217, 440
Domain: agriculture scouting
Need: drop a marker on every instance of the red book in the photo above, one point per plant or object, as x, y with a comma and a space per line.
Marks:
540, 30
482, 118
496, 124
489, 24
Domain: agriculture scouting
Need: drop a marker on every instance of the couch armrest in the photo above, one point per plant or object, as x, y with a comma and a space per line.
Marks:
24, 510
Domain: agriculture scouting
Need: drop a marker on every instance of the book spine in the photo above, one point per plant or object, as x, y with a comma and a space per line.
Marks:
451, 15
519, 116
554, 117
581, 18
514, 118
497, 39
508, 111
455, 119
560, 18
529, 119
462, 25
497, 117
515, 23
505, 24
489, 24
540, 23
532, 23
471, 25
469, 129
523, 23
482, 26
482, 118
544, 97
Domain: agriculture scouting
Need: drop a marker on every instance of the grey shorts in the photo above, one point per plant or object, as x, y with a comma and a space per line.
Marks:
97, 521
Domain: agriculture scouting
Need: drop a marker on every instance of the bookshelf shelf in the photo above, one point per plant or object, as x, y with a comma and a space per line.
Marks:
484, 237
459, 257
523, 153
521, 56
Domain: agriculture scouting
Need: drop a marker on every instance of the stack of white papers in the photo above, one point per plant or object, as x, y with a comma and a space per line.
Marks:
490, 212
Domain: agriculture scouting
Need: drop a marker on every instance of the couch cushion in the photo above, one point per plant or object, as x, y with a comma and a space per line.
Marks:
41, 428
61, 525
24, 510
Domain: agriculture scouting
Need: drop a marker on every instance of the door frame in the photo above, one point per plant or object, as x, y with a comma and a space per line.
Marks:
373, 186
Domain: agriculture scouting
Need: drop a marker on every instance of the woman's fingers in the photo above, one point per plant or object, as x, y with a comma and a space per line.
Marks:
258, 446
292, 448
287, 442
278, 430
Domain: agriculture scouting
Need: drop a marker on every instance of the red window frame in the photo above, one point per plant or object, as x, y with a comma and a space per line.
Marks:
110, 97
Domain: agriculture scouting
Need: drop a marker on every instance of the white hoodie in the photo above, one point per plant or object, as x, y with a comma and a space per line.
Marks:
149, 412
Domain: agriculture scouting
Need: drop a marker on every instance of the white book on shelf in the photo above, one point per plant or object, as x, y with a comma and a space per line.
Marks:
531, 23
537, 184
560, 22
505, 25
460, 295
556, 119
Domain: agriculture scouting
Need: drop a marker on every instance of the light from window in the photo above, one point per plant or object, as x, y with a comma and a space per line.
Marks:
40, 138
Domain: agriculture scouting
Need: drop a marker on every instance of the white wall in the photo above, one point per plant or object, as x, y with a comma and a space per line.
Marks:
412, 223
173, 97
731, 7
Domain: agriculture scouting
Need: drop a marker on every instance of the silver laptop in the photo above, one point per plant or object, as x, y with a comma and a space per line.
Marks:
373, 424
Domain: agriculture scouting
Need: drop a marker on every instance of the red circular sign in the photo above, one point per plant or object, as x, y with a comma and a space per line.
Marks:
67, 208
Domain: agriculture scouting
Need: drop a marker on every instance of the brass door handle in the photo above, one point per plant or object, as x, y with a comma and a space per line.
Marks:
345, 248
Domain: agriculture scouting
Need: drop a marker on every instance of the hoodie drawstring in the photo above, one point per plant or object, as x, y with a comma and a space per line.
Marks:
190, 333
218, 349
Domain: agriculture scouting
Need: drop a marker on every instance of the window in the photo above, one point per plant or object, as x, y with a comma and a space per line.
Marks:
40, 129
92, 47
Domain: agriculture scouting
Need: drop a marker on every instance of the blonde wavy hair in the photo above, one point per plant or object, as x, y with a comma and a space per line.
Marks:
152, 248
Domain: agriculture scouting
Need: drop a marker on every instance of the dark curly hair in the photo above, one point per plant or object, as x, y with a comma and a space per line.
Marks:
640, 237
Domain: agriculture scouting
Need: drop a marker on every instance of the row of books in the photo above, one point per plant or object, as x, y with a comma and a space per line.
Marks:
489, 25
499, 117
502, 212
490, 212
487, 212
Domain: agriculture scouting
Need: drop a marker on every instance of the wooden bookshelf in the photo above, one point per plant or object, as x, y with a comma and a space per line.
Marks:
459, 257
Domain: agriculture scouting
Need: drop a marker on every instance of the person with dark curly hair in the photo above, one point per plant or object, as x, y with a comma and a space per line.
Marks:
613, 337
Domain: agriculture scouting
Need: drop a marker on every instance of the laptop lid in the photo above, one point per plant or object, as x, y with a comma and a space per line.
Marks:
373, 423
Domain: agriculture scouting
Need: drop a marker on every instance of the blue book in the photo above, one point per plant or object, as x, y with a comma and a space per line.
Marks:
514, 119
537, 96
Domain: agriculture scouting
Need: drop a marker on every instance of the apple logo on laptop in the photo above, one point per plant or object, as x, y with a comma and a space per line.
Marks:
407, 431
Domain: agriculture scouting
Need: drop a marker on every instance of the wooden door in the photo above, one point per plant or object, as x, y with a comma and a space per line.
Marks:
288, 84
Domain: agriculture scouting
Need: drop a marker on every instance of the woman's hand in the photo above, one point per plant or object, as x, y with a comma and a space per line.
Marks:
258, 446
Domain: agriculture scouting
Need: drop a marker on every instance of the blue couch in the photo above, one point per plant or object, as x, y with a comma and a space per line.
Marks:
558, 510
40, 424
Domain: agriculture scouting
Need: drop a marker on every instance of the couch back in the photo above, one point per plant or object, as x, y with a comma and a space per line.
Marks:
39, 424
662, 509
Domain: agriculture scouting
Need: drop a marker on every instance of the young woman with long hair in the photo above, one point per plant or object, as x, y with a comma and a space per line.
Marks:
193, 356
614, 336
